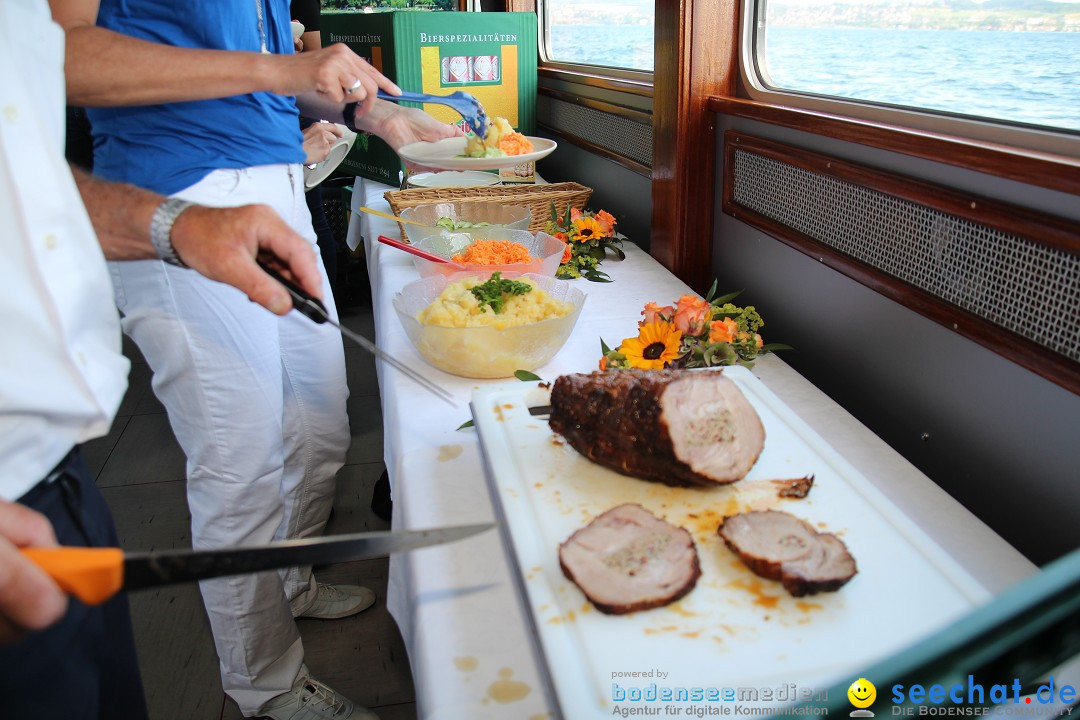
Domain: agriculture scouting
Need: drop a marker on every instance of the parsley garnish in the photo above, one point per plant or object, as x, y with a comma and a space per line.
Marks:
496, 290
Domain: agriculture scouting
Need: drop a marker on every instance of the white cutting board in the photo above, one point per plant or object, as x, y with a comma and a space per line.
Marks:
734, 630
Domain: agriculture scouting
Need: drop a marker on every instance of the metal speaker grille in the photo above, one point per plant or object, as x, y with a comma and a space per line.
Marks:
620, 135
1031, 289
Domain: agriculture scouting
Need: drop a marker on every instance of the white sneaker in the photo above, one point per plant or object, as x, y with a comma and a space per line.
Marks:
311, 700
338, 601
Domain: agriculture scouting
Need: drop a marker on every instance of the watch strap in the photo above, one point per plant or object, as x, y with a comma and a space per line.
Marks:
161, 225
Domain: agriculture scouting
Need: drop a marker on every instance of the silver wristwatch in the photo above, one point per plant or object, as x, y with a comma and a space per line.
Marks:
161, 225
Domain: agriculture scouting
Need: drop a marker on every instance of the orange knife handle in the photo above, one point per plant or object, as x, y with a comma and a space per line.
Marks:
91, 574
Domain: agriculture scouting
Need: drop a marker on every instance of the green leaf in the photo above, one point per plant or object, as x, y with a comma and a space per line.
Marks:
726, 298
554, 213
609, 245
604, 349
771, 347
466, 424
712, 291
526, 376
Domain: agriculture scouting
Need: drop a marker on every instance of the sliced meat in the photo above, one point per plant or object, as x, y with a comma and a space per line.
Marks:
779, 546
678, 427
628, 560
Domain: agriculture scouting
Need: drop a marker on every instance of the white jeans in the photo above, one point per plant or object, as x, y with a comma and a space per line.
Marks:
257, 403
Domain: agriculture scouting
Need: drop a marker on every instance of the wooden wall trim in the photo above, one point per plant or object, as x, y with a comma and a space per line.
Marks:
1046, 170
1044, 229
694, 61
603, 82
637, 116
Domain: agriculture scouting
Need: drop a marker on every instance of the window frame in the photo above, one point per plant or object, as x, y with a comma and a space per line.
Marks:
1065, 143
638, 82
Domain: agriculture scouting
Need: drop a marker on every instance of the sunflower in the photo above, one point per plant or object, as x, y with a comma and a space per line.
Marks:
588, 229
656, 345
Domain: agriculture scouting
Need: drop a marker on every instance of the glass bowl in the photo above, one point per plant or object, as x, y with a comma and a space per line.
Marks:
513, 217
484, 352
547, 250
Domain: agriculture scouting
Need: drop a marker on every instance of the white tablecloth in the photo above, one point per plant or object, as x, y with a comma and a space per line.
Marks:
456, 604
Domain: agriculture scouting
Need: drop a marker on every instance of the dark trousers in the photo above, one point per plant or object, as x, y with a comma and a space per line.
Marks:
84, 667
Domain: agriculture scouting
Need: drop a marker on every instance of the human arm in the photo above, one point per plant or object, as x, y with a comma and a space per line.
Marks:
107, 69
220, 243
396, 125
29, 599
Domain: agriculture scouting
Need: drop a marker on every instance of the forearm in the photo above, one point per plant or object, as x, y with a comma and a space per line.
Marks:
317, 106
120, 215
107, 69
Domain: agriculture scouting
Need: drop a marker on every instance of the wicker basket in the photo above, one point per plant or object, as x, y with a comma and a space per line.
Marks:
537, 198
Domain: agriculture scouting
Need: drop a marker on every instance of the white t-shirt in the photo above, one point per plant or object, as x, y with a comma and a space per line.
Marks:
62, 373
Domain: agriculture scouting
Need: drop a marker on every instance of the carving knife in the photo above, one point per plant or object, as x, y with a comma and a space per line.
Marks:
93, 575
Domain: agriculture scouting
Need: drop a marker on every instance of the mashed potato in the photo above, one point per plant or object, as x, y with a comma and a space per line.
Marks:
457, 307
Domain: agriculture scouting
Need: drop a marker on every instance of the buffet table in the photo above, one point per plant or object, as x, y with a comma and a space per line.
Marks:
470, 645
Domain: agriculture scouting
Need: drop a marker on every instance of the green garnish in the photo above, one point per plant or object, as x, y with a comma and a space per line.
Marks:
449, 224
497, 290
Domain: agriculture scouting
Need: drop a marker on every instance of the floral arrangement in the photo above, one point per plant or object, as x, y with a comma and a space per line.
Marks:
692, 333
588, 237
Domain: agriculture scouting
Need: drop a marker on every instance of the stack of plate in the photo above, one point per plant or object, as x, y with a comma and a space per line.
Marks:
452, 178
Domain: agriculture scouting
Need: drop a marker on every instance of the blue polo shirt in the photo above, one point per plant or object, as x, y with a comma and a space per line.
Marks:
167, 148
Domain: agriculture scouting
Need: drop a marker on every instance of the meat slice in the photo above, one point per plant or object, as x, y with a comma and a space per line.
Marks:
678, 427
779, 546
627, 559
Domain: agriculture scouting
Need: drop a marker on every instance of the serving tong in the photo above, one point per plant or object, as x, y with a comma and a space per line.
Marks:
467, 105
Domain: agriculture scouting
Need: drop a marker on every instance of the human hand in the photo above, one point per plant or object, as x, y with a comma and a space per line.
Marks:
318, 139
222, 244
298, 45
29, 599
332, 72
399, 126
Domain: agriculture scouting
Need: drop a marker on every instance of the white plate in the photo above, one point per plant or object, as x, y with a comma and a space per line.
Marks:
734, 629
449, 154
453, 178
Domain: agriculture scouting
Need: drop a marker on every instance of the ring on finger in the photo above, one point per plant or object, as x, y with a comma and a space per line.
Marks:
354, 87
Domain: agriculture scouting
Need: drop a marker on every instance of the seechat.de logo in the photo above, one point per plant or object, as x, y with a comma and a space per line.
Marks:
862, 694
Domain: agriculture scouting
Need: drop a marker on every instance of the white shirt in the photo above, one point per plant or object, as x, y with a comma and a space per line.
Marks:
62, 374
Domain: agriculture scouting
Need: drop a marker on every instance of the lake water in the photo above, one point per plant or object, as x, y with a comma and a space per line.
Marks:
1021, 77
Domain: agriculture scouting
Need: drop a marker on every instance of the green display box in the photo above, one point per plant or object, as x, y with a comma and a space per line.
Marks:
489, 55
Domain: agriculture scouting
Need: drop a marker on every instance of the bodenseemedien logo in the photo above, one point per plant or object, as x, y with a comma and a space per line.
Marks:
862, 694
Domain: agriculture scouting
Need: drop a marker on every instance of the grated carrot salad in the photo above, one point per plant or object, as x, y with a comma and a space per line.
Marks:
495, 252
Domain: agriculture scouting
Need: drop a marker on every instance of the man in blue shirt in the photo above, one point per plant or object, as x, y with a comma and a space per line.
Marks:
197, 102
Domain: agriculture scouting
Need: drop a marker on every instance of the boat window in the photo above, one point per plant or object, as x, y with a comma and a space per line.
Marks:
614, 34
1016, 64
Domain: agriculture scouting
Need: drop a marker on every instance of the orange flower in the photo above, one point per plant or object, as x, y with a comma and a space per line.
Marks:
587, 229
562, 236
575, 214
723, 330
515, 144
758, 341
691, 315
655, 313
567, 253
606, 221
603, 362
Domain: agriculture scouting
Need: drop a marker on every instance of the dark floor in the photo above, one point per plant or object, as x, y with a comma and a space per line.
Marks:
140, 469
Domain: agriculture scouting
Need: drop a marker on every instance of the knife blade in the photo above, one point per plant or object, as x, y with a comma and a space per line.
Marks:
93, 575
313, 308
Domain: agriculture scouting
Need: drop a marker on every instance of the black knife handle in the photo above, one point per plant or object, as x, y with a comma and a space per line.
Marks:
304, 302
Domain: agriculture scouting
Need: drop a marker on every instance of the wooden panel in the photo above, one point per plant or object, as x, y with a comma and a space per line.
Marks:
695, 60
1054, 172
1043, 229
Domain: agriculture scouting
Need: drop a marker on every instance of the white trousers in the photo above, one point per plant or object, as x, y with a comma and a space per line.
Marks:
257, 403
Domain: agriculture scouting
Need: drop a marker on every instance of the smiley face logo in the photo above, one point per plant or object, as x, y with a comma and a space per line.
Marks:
862, 693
